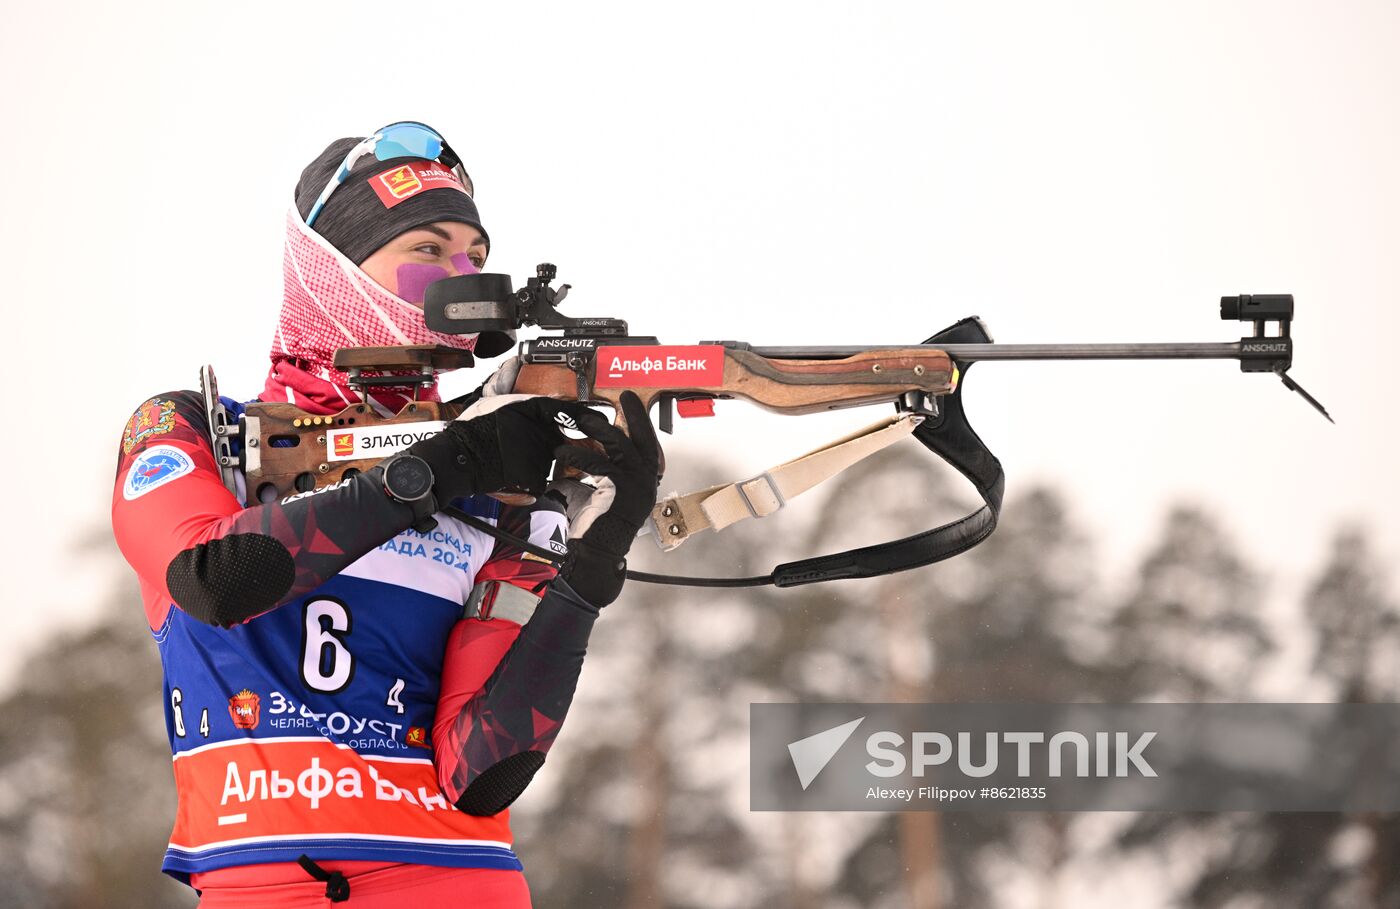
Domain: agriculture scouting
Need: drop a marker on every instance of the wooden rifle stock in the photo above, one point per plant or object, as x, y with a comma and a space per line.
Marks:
781, 385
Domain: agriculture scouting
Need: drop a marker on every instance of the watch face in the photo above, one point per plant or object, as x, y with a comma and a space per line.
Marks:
409, 479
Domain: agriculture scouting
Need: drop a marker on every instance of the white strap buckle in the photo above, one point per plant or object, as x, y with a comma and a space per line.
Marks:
773, 490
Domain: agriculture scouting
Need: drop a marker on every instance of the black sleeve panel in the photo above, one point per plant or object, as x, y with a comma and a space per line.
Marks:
229, 579
500, 784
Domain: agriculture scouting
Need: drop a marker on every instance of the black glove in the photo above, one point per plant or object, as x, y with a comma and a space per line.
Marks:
597, 562
506, 450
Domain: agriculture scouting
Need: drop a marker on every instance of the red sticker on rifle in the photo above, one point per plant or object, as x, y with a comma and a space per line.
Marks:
694, 366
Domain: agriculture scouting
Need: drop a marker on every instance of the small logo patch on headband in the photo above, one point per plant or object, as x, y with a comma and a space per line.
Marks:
397, 184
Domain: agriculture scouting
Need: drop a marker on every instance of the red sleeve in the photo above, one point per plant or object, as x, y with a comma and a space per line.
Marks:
194, 545
169, 495
475, 646
513, 685
487, 717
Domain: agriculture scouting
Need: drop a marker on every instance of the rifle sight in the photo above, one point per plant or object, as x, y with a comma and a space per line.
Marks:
486, 302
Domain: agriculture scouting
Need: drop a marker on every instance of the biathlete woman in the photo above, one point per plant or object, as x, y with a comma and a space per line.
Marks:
344, 728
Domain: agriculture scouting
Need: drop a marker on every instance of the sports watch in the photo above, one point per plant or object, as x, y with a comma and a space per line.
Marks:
408, 479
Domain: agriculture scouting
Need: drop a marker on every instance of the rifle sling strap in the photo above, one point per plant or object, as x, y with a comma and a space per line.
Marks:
678, 517
948, 435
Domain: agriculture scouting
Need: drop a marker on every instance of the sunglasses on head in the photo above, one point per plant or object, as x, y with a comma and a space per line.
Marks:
405, 139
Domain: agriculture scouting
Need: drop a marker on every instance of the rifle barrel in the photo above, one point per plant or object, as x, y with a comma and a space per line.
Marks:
969, 353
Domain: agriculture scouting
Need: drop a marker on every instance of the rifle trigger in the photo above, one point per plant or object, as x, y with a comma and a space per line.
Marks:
665, 413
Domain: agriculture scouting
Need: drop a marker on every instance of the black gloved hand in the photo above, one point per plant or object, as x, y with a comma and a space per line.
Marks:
508, 449
597, 561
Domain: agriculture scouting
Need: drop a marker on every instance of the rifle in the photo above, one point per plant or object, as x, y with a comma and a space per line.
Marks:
594, 360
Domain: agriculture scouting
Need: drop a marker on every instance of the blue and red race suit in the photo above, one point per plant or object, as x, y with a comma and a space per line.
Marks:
357, 709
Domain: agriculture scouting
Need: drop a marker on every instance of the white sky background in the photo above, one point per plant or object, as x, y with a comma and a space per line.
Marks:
779, 173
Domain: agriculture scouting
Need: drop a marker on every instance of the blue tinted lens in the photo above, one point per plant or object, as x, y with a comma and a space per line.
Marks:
408, 140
